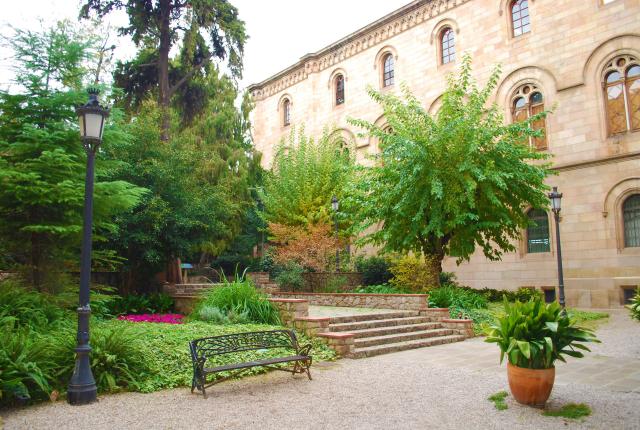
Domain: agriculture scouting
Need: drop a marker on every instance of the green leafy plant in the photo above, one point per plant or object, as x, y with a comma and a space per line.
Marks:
381, 289
241, 297
634, 307
25, 369
216, 316
498, 400
28, 308
140, 304
572, 411
411, 273
448, 296
289, 277
375, 270
534, 335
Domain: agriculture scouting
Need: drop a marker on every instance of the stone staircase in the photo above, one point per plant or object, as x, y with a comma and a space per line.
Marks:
263, 282
382, 333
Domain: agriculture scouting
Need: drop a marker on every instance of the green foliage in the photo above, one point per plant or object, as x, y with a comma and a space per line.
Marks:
498, 400
534, 335
335, 284
241, 297
522, 294
411, 273
42, 162
306, 173
380, 289
289, 277
572, 411
374, 269
27, 308
25, 370
474, 174
214, 315
634, 307
155, 303
448, 296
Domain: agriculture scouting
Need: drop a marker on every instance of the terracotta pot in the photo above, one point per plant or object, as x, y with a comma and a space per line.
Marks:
531, 386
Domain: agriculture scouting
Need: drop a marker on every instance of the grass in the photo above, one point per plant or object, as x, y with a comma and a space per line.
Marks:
573, 411
498, 400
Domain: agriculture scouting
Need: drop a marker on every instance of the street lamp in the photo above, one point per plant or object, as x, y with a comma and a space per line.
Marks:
556, 199
91, 117
335, 205
261, 209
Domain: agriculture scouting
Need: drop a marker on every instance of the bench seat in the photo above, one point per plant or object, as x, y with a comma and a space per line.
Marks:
265, 362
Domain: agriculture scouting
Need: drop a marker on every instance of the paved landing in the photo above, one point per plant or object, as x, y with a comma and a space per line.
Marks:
338, 311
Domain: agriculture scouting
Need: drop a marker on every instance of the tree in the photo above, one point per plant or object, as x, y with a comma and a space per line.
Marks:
311, 247
42, 163
448, 183
199, 180
304, 177
205, 29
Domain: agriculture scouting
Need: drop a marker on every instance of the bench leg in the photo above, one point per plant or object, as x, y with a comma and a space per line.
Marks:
307, 366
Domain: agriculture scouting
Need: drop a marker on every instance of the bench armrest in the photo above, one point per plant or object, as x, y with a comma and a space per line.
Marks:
305, 349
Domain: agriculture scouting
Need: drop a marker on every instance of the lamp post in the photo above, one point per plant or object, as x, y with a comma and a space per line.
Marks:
261, 209
335, 205
91, 117
556, 199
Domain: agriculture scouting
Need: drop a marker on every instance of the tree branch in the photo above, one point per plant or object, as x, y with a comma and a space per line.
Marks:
186, 77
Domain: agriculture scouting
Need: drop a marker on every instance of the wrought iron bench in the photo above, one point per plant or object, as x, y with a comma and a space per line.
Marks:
207, 347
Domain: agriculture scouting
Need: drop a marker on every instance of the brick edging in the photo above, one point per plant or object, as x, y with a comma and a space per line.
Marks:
290, 293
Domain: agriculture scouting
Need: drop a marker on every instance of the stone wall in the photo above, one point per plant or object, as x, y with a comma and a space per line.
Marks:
412, 302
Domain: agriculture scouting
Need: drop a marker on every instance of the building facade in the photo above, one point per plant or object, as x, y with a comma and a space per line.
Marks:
579, 57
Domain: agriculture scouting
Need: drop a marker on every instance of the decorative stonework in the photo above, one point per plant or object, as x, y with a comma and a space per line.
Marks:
403, 19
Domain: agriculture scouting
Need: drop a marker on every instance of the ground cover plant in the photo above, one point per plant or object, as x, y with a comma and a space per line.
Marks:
498, 400
634, 307
572, 411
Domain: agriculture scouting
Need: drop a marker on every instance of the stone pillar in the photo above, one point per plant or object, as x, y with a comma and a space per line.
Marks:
463, 327
311, 326
342, 343
290, 309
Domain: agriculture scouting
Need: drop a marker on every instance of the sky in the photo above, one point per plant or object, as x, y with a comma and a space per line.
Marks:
280, 31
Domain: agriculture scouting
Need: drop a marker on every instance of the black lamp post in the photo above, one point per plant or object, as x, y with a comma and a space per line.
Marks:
556, 199
91, 116
261, 209
335, 205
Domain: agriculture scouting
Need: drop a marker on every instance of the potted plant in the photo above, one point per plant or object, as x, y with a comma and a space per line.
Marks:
634, 306
533, 335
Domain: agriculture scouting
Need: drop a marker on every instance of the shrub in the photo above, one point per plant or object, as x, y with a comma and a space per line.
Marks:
28, 308
216, 316
375, 270
156, 303
522, 294
242, 298
634, 307
449, 296
410, 272
25, 370
335, 284
380, 289
534, 335
312, 247
117, 361
289, 277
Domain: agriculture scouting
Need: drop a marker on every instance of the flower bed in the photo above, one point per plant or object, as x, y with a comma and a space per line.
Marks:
154, 318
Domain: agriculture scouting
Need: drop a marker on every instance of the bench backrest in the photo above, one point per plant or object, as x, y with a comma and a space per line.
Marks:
239, 342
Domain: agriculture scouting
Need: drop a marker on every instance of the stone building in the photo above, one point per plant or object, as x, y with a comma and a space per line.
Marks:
581, 57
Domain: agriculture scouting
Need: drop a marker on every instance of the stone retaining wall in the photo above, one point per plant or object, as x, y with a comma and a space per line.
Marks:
410, 302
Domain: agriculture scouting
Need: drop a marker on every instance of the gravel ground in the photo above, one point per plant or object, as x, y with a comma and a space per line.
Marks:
620, 336
408, 390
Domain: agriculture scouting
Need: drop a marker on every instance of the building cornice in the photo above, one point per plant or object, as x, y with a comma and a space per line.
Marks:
377, 32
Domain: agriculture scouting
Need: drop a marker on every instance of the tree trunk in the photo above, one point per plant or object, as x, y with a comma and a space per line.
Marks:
163, 68
434, 264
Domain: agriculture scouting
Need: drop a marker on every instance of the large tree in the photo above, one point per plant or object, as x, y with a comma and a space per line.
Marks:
203, 29
447, 183
42, 161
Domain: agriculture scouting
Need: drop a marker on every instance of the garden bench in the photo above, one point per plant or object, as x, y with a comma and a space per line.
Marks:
207, 347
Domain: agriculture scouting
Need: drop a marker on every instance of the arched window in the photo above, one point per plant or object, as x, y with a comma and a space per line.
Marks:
387, 70
447, 45
520, 17
538, 231
631, 220
621, 83
526, 102
286, 112
339, 90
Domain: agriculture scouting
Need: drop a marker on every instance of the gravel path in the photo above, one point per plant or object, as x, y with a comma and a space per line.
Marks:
443, 387
620, 336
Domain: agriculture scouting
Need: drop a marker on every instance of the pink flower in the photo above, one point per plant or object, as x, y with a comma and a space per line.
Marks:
154, 318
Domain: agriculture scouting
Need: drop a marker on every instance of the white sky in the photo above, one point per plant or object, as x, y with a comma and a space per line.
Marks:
280, 31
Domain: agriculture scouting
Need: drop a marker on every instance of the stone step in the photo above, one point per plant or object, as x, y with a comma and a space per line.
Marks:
383, 331
371, 317
364, 342
403, 346
390, 322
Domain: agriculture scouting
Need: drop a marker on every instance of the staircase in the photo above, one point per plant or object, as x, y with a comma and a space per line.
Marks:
376, 334
263, 282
